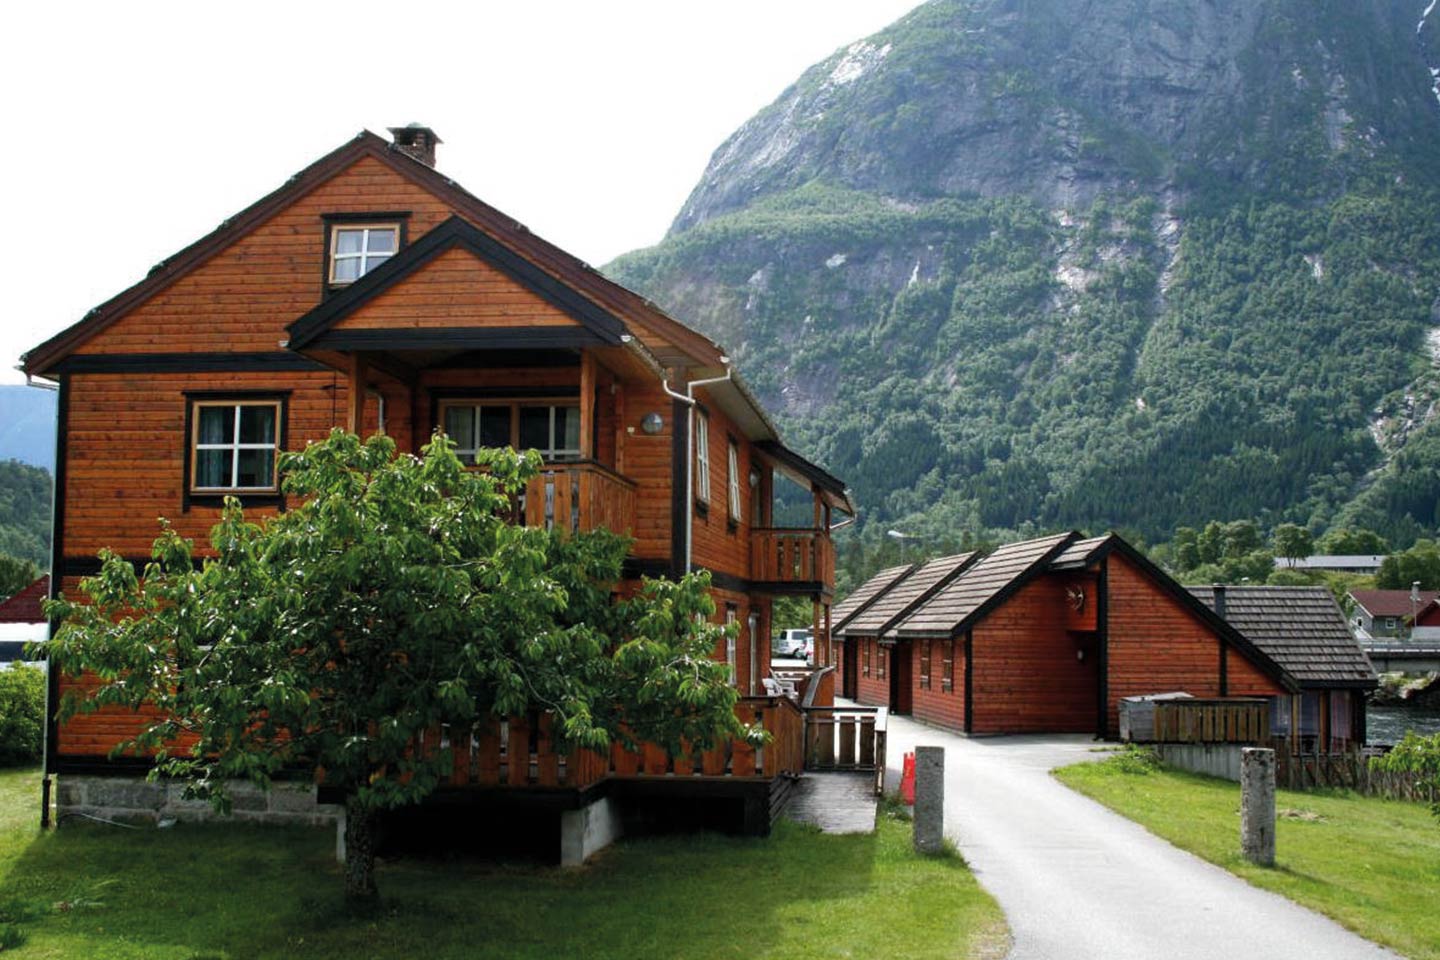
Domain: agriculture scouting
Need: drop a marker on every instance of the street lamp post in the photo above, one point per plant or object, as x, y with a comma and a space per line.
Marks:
903, 538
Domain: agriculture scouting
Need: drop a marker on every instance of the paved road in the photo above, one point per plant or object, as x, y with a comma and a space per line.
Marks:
1078, 882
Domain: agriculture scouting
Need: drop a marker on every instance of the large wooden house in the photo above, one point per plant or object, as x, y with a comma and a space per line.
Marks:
373, 293
1049, 635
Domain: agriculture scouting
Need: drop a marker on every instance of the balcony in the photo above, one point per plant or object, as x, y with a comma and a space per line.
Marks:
792, 560
579, 496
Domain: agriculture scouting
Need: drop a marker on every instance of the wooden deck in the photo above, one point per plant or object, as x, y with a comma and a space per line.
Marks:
835, 802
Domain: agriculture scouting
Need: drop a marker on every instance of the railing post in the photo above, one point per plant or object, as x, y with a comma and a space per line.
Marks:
929, 800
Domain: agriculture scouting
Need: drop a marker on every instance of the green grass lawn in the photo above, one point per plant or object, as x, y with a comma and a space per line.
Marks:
1373, 865
230, 890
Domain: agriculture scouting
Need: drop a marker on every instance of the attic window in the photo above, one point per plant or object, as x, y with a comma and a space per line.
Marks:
358, 248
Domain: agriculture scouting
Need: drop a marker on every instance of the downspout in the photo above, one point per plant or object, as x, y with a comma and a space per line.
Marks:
688, 398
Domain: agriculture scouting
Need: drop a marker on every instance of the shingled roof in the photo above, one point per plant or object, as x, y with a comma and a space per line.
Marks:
1079, 554
1391, 603
1300, 628
981, 585
24, 607
864, 595
902, 598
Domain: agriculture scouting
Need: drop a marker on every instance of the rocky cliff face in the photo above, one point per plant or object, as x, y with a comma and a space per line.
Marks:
1020, 263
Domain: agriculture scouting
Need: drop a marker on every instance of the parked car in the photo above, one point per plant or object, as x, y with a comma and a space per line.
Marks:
796, 643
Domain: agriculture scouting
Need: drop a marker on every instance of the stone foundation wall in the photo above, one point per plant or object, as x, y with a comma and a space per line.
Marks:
134, 800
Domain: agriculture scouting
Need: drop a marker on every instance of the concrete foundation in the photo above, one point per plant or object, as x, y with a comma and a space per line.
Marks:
1212, 759
585, 831
134, 800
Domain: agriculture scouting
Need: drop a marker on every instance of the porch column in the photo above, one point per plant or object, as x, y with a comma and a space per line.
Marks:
587, 405
356, 408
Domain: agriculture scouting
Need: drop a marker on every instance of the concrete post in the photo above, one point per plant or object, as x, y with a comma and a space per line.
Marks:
340, 836
929, 799
1257, 805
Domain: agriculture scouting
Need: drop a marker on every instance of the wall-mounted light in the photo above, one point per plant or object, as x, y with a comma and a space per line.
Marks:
652, 423
754, 478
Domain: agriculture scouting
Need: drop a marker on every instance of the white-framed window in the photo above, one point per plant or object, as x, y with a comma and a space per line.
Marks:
358, 248
731, 617
234, 445
733, 466
702, 457
551, 428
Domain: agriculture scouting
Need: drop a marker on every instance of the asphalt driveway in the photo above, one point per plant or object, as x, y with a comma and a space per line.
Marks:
1077, 881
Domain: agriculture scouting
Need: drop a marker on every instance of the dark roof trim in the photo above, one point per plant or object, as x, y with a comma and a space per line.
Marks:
456, 233
1198, 607
1040, 565
185, 362
788, 458
457, 338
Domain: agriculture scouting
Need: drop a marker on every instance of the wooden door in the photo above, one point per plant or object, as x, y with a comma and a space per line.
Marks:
901, 677
850, 672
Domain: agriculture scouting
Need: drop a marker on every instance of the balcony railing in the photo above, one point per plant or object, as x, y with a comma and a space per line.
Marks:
521, 752
579, 496
791, 555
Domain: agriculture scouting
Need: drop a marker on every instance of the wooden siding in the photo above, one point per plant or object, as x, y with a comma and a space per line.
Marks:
873, 690
456, 289
717, 543
1156, 645
944, 708
1027, 677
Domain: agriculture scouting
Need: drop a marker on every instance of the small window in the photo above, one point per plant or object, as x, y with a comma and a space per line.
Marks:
553, 430
864, 658
733, 466
358, 248
732, 615
925, 664
234, 445
884, 657
947, 666
702, 457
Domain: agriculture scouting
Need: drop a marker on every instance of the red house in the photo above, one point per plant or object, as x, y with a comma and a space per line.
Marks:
372, 292
1049, 635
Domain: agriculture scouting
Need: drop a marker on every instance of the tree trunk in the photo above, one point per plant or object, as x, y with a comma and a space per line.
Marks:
360, 823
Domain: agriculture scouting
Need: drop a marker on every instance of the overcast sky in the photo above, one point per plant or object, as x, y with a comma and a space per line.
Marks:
136, 128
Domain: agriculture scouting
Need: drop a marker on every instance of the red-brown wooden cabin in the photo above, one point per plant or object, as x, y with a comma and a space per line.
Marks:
373, 293
1049, 635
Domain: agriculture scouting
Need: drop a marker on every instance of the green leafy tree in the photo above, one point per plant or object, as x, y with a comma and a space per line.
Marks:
1210, 542
1416, 755
1242, 537
395, 598
1186, 549
1353, 541
1420, 563
15, 575
1292, 542
22, 715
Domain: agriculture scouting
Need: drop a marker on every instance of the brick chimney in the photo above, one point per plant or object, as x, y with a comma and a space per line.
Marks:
416, 140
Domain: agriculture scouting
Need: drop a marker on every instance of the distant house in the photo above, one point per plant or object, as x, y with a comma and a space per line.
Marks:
1337, 563
22, 620
1048, 635
1386, 613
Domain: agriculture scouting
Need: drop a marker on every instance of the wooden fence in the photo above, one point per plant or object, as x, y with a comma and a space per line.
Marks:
1348, 770
522, 752
846, 738
1227, 720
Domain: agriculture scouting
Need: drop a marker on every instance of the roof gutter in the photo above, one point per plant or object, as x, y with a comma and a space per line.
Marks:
688, 398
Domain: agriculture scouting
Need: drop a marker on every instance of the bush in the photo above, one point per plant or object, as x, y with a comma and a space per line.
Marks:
1418, 755
22, 715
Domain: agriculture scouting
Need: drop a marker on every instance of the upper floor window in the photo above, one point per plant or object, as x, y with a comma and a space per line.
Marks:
551, 428
234, 445
733, 468
358, 248
702, 457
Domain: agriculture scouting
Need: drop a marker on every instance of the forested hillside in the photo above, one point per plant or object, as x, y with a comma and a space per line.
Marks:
1008, 267
25, 512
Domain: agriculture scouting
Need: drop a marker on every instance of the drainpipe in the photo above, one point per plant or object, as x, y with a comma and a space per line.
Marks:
688, 398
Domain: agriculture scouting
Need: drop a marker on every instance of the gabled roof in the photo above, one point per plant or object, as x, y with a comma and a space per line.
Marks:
864, 595
1300, 628
692, 347
907, 594
804, 472
454, 233
1391, 603
1081, 553
24, 607
982, 586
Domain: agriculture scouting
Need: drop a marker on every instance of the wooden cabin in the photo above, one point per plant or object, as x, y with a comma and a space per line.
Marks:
1049, 635
371, 292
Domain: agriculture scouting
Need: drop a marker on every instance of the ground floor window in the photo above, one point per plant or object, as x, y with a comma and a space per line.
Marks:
864, 658
732, 614
233, 445
947, 666
925, 664
551, 428
884, 658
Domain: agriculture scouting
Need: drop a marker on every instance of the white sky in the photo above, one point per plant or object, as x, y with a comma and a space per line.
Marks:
136, 128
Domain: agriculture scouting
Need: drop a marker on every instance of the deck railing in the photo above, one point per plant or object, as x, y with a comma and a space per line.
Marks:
579, 496
791, 555
521, 752
846, 738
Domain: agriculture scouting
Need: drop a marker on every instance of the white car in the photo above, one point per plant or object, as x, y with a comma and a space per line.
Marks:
797, 643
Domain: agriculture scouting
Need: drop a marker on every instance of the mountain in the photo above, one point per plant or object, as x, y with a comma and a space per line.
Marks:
27, 425
1011, 265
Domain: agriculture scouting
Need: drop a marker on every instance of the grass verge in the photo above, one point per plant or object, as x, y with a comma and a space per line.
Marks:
204, 892
1373, 865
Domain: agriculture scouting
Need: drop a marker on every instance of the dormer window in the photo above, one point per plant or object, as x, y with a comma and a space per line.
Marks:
358, 248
